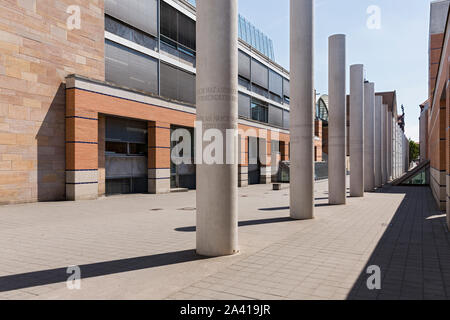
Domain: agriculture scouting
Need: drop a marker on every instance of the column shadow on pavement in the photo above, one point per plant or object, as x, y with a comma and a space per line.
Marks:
244, 223
60, 275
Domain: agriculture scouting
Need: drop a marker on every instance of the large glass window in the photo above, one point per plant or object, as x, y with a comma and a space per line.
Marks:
129, 68
260, 74
259, 90
275, 116
137, 13
286, 121
127, 32
244, 64
244, 83
286, 88
177, 84
259, 111
321, 110
275, 83
178, 28
244, 105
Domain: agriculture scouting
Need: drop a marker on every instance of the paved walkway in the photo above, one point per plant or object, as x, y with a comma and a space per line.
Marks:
142, 247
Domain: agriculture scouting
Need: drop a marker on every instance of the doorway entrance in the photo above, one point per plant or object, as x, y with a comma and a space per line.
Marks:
126, 159
182, 175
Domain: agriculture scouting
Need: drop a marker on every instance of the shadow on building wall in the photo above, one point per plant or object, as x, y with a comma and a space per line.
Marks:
51, 150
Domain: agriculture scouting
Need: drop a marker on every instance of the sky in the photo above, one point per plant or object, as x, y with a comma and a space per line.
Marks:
395, 56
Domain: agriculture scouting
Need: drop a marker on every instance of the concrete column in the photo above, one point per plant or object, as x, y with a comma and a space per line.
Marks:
396, 151
369, 137
378, 143
158, 157
385, 144
217, 108
357, 130
390, 162
337, 120
302, 109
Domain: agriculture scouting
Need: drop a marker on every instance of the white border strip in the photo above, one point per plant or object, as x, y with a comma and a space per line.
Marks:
262, 98
142, 98
182, 9
130, 44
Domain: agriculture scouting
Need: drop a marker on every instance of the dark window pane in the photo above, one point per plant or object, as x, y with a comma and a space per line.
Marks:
275, 83
244, 83
244, 105
259, 90
186, 31
259, 111
118, 186
169, 21
177, 84
138, 149
285, 119
116, 147
276, 98
244, 65
275, 116
260, 74
286, 88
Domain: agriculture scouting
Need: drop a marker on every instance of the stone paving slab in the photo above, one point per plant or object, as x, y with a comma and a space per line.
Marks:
142, 247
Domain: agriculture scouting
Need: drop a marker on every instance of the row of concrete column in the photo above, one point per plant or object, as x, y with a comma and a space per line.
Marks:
378, 146
400, 154
217, 90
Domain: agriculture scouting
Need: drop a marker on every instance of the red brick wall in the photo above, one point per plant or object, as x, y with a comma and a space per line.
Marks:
318, 143
438, 143
84, 104
436, 44
37, 52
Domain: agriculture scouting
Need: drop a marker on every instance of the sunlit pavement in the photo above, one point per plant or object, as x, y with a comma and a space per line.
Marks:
143, 247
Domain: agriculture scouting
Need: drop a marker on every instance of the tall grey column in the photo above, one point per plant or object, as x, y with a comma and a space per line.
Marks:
302, 109
385, 145
395, 152
357, 130
217, 108
337, 120
378, 143
369, 137
383, 157
390, 152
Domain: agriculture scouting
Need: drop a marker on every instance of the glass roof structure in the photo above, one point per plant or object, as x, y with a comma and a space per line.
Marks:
253, 37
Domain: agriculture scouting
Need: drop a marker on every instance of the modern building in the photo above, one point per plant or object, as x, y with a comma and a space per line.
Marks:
435, 112
322, 122
88, 109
